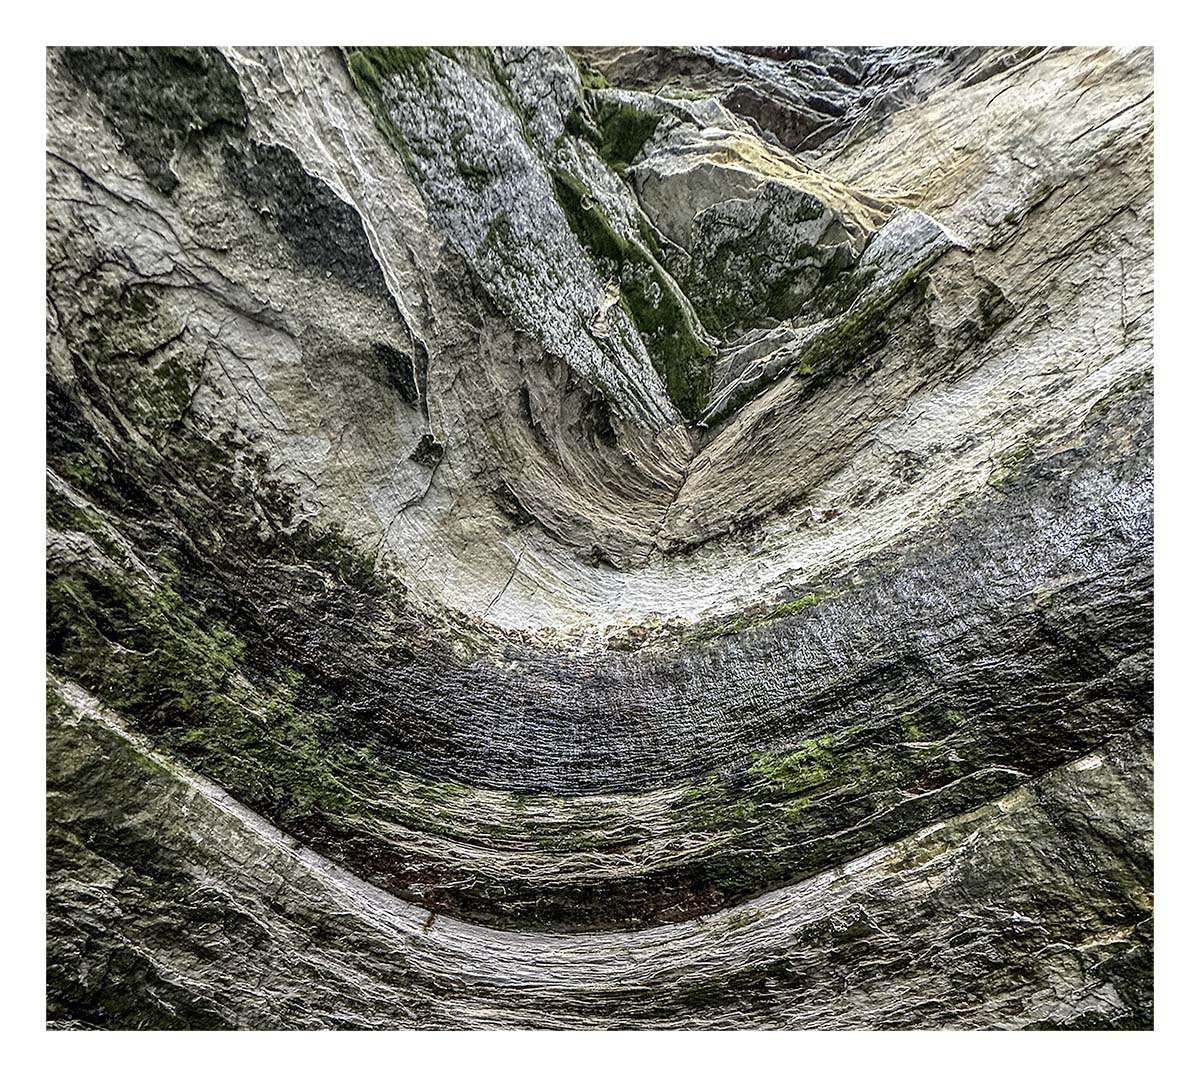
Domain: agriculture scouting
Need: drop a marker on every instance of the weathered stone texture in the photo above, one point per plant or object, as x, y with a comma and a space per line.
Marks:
612, 537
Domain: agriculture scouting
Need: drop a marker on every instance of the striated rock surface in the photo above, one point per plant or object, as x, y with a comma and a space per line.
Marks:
611, 537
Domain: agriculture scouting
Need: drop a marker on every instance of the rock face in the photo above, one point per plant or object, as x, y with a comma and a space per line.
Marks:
599, 538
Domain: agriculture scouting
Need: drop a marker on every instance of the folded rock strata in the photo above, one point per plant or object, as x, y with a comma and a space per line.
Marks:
599, 538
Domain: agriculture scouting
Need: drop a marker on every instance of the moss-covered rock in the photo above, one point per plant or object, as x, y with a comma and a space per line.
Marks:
158, 98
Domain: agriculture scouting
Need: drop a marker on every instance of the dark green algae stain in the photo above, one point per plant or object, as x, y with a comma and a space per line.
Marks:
158, 98
178, 673
321, 230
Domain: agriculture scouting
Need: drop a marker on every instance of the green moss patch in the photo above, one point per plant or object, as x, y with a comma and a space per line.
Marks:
649, 296
1009, 463
622, 128
753, 619
371, 67
84, 469
747, 270
176, 673
841, 345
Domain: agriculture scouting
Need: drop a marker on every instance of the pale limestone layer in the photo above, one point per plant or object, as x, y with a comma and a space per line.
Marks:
1040, 176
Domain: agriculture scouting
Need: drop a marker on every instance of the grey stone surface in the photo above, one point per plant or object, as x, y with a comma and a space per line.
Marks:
600, 538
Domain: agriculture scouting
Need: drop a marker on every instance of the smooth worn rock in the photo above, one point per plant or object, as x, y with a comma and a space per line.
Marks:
599, 538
